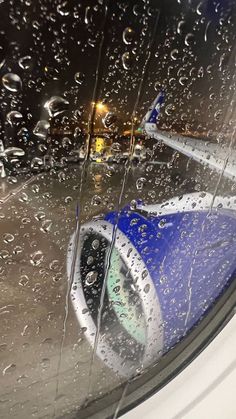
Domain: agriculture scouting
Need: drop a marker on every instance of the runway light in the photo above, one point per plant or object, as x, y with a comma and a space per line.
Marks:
101, 107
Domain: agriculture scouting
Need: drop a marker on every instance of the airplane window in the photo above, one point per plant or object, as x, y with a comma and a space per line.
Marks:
117, 198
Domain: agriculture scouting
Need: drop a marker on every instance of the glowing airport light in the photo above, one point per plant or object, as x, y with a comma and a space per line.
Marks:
100, 106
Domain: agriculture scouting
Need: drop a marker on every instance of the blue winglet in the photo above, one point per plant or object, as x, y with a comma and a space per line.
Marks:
156, 108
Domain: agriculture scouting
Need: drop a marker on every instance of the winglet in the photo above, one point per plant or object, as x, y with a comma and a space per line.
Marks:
153, 113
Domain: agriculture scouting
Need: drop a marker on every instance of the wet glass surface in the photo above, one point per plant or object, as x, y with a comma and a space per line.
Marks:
117, 213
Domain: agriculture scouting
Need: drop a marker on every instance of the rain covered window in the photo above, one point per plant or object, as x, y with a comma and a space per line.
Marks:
117, 193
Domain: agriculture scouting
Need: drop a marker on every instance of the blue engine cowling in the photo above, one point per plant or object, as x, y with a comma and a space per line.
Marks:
169, 264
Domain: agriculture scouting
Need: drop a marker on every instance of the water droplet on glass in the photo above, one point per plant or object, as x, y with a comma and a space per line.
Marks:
162, 223
128, 36
137, 9
174, 54
183, 80
14, 152
217, 115
127, 60
56, 105
88, 15
79, 77
46, 226
199, 8
23, 134
206, 31
189, 39
23, 197
133, 204
90, 260
36, 258
96, 200
91, 277
42, 148
68, 199
146, 288
140, 183
95, 244
209, 69
24, 279
12, 82
17, 250
109, 119
66, 142
51, 73
36, 163
54, 265
63, 9
163, 279
41, 129
14, 117
8, 238
35, 188
39, 216
12, 179
200, 72
169, 109
61, 176
25, 62
180, 27
2, 63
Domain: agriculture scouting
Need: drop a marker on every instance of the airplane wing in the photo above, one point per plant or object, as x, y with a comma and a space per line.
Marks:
216, 156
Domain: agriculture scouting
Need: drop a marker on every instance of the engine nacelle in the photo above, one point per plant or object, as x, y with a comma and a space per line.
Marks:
168, 264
